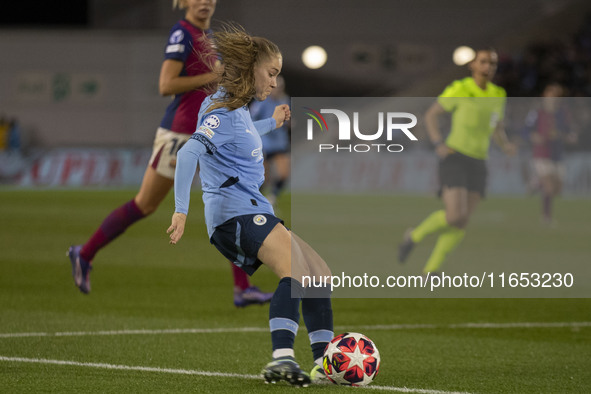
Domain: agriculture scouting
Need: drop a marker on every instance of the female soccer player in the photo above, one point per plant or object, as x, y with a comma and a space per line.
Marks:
183, 74
477, 106
240, 220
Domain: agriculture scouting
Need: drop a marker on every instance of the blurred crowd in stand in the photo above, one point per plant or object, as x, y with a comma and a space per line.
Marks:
567, 62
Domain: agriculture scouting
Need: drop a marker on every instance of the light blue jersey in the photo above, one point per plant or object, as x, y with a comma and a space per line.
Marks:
227, 145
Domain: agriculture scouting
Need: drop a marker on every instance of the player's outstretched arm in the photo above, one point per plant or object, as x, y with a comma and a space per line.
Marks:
281, 114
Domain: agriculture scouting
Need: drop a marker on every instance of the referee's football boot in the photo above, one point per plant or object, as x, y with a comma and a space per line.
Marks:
405, 246
80, 269
285, 368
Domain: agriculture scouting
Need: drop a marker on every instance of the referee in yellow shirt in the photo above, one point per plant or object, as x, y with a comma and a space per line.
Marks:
477, 107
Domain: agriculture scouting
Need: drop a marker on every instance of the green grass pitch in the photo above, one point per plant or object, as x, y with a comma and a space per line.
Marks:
160, 318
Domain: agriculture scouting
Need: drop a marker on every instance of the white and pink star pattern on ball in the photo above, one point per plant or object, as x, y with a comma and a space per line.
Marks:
351, 359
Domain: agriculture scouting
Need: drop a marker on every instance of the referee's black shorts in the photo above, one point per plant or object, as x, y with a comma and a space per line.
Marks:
458, 170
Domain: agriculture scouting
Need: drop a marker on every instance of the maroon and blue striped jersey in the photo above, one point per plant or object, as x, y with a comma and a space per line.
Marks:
185, 44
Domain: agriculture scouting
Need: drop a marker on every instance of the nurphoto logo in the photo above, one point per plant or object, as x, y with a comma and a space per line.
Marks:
389, 123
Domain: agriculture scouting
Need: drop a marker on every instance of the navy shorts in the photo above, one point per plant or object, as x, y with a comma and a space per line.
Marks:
240, 238
458, 170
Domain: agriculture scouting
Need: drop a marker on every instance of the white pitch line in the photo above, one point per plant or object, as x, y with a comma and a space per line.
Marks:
477, 325
195, 372
129, 367
137, 332
383, 327
523, 325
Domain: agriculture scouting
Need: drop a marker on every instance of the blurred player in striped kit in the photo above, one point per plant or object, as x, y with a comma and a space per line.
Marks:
548, 128
477, 107
276, 144
185, 75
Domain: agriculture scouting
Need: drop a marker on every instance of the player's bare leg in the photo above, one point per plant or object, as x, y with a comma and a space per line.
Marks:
290, 258
459, 206
455, 200
550, 187
153, 191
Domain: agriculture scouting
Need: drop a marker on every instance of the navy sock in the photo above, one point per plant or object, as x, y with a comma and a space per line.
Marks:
284, 314
317, 314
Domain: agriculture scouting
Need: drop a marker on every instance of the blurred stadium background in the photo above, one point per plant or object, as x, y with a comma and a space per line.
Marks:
86, 74
87, 77
79, 108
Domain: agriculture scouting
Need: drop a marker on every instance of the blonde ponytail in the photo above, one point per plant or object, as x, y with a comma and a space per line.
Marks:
239, 53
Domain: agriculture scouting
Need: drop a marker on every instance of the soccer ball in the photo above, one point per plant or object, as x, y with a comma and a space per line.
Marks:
351, 359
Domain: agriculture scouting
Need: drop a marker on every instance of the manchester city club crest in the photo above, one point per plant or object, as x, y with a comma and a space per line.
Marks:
259, 220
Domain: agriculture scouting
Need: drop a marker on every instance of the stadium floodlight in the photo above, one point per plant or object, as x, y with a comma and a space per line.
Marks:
314, 57
463, 55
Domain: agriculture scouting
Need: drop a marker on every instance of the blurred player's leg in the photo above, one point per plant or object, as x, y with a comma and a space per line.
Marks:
244, 293
111, 227
153, 190
80, 269
459, 205
433, 223
447, 241
551, 186
282, 166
